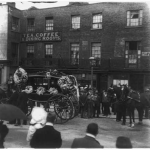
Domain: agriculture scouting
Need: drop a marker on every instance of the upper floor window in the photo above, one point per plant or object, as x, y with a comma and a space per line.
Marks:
49, 24
48, 50
134, 18
31, 24
14, 48
15, 24
74, 53
97, 21
30, 50
132, 53
96, 52
75, 22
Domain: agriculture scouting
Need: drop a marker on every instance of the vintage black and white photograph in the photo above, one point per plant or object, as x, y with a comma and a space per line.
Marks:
74, 74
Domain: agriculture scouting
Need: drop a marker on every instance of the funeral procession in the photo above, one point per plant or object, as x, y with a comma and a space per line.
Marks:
74, 74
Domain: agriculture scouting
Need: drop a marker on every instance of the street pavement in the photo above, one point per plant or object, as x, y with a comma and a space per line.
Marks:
109, 130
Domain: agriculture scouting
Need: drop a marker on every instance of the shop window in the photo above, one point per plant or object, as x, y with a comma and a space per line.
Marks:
30, 50
75, 54
132, 53
49, 24
134, 18
30, 24
121, 82
75, 22
48, 50
15, 24
14, 48
97, 21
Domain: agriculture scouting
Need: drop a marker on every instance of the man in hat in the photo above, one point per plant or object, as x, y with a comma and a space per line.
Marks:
89, 140
47, 137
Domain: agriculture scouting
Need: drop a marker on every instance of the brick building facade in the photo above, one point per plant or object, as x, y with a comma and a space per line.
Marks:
63, 38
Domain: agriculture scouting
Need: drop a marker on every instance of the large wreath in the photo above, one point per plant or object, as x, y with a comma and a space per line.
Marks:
20, 76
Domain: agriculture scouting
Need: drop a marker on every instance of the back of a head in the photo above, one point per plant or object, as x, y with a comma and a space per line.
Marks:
51, 117
123, 142
92, 128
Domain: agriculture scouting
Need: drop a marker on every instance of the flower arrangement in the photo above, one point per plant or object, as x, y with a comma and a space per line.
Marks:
53, 91
20, 76
28, 89
40, 90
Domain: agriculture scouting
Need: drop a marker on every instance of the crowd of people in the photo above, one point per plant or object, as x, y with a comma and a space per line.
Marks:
42, 134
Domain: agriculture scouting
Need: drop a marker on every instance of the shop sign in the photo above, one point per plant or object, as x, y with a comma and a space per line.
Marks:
145, 53
42, 36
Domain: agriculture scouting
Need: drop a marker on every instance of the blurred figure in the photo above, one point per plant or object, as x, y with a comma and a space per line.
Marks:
10, 84
89, 141
38, 121
3, 132
47, 137
123, 142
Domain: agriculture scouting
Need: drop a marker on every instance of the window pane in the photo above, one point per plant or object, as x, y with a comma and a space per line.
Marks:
49, 24
75, 22
48, 50
15, 24
30, 24
97, 21
96, 50
75, 53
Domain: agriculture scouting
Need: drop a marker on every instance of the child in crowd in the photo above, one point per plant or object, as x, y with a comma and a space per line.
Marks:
38, 121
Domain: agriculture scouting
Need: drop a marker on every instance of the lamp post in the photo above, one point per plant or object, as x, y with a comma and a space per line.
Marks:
92, 62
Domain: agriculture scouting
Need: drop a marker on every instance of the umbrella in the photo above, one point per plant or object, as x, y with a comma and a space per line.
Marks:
10, 112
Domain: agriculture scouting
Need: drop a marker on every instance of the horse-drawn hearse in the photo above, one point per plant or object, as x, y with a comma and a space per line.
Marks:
53, 90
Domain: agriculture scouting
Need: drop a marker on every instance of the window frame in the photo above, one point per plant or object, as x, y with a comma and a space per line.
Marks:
32, 26
73, 60
129, 20
78, 23
18, 28
51, 50
29, 53
51, 18
99, 22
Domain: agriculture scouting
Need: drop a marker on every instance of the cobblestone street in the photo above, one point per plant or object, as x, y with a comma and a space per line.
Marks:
109, 130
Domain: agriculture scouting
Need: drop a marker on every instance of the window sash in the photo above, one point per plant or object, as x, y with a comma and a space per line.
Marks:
49, 24
75, 22
74, 54
134, 18
30, 24
15, 24
30, 48
97, 21
48, 50
96, 50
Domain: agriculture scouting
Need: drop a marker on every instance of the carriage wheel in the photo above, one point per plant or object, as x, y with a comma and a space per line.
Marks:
63, 107
76, 105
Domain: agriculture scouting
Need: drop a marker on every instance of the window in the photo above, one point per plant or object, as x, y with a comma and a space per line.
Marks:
14, 48
132, 52
48, 50
97, 21
30, 51
75, 22
49, 24
134, 18
75, 54
15, 24
96, 52
122, 82
30, 24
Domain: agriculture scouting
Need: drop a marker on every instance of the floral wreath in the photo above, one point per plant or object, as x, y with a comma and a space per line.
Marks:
65, 82
53, 91
28, 89
40, 90
20, 76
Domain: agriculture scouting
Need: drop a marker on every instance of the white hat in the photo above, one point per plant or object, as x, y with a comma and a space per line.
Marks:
38, 115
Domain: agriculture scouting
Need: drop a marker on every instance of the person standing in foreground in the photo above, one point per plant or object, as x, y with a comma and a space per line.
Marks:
47, 137
89, 140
